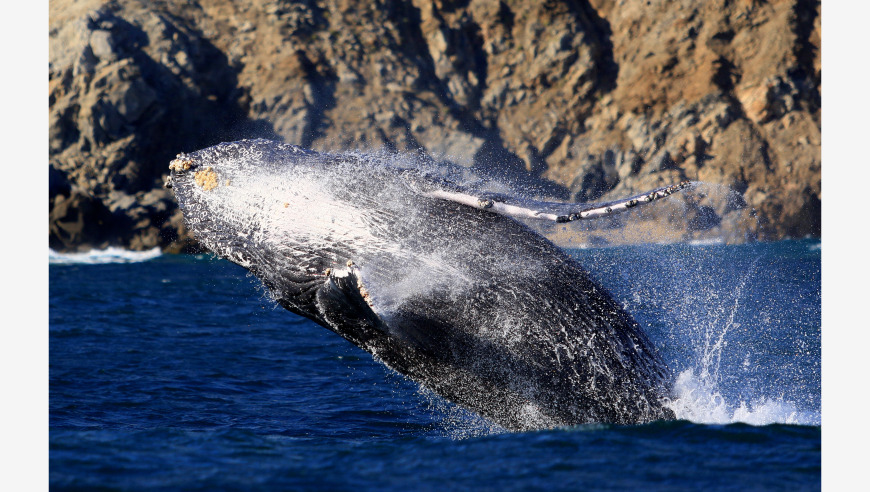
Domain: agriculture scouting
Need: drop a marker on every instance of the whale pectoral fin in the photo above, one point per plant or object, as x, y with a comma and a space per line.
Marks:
342, 304
554, 211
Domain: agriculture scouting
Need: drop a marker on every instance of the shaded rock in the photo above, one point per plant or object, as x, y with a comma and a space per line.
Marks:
58, 182
79, 221
703, 218
596, 177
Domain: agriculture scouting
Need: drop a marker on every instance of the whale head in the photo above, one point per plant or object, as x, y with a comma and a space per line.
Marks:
194, 175
243, 202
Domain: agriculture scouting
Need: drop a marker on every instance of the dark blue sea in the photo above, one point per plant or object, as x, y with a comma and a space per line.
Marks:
179, 372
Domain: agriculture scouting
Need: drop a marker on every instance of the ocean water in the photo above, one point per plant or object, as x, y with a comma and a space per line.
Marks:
179, 372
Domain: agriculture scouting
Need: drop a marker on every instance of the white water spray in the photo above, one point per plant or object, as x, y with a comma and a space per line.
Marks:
698, 393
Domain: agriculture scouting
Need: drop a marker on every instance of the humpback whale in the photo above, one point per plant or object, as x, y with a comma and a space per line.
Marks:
435, 277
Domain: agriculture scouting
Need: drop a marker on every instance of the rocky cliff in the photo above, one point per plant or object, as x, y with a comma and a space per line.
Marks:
582, 100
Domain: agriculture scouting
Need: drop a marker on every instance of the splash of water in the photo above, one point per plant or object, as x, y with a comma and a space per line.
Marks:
455, 422
700, 400
697, 390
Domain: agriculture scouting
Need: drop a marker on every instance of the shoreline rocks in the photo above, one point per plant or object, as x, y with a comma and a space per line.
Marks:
575, 100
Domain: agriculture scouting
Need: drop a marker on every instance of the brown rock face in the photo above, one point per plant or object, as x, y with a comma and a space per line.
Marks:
585, 100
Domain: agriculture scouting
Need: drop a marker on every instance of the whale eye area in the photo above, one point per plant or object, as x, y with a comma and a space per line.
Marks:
206, 179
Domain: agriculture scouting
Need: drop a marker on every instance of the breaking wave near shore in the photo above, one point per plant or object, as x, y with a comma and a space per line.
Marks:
102, 256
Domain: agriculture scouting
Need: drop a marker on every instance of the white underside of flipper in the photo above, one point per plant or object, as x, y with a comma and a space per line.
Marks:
552, 211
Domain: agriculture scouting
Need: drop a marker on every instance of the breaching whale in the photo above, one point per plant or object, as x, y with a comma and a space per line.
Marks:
433, 277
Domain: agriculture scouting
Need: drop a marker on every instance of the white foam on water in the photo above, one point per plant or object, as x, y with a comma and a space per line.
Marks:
715, 241
698, 399
103, 256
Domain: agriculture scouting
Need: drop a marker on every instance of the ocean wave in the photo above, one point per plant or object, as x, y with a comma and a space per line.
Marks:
103, 256
713, 241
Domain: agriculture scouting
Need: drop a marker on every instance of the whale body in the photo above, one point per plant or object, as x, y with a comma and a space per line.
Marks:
435, 278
